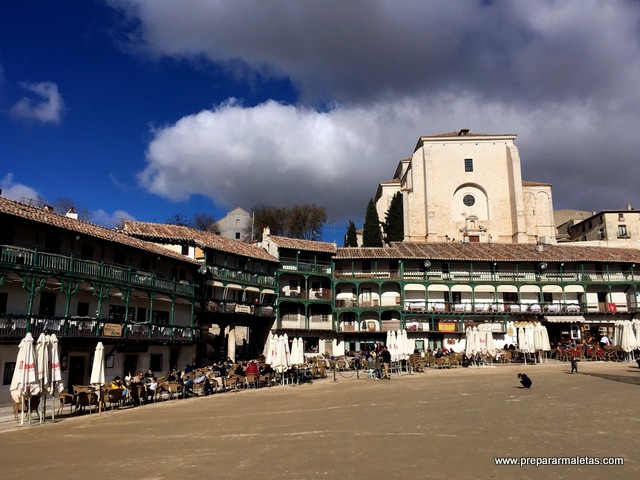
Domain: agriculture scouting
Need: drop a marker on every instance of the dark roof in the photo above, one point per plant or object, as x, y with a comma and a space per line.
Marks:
53, 219
468, 134
160, 232
306, 245
492, 252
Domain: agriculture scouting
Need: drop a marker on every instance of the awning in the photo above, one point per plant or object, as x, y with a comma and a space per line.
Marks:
564, 319
234, 286
251, 289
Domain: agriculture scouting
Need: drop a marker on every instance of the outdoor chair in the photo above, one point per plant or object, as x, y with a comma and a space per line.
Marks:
174, 389
114, 397
85, 397
251, 380
66, 399
264, 380
31, 403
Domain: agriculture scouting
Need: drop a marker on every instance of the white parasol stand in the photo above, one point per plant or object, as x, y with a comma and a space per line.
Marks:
97, 373
24, 382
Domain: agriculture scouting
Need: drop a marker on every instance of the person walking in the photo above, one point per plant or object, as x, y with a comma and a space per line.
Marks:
574, 364
386, 363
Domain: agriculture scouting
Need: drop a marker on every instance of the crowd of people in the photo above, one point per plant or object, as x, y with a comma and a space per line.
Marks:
211, 377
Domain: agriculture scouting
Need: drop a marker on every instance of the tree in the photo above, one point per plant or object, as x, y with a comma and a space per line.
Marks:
394, 220
205, 222
306, 221
301, 221
372, 234
63, 204
351, 238
179, 219
267, 216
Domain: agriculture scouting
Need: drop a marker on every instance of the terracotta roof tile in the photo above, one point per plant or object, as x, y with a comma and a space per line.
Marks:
307, 245
180, 234
497, 252
527, 183
22, 210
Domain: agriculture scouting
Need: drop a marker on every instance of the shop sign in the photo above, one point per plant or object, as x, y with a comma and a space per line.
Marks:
447, 327
112, 330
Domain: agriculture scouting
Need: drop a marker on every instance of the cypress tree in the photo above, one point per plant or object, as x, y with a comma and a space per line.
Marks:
351, 239
394, 220
372, 234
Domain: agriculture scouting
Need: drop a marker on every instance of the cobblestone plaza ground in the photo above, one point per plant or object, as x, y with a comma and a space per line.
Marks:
439, 424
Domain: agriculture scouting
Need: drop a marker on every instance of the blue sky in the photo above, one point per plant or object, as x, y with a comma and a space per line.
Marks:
145, 109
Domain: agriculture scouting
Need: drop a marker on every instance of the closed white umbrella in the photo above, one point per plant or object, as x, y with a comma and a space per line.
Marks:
267, 345
295, 352
44, 371
628, 340
97, 372
272, 344
470, 346
482, 339
301, 359
635, 323
56, 373
280, 363
24, 382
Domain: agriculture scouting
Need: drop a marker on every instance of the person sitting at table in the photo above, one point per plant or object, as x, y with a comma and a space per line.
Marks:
151, 388
171, 376
239, 370
252, 368
267, 370
116, 384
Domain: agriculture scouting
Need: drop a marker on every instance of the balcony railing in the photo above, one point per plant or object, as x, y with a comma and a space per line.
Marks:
320, 295
222, 273
83, 327
489, 276
420, 306
213, 306
34, 259
293, 265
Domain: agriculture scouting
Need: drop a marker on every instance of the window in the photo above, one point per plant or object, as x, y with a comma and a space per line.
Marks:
185, 249
9, 367
120, 258
155, 362
621, 217
83, 309
237, 235
6, 234
47, 304
510, 297
622, 231
468, 164
469, 200
160, 317
3, 302
145, 263
86, 251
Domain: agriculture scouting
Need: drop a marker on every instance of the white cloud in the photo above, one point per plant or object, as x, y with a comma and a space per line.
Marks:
17, 191
110, 220
44, 106
561, 75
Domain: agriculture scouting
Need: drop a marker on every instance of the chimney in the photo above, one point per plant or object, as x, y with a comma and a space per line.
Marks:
48, 208
463, 132
266, 231
71, 213
629, 206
